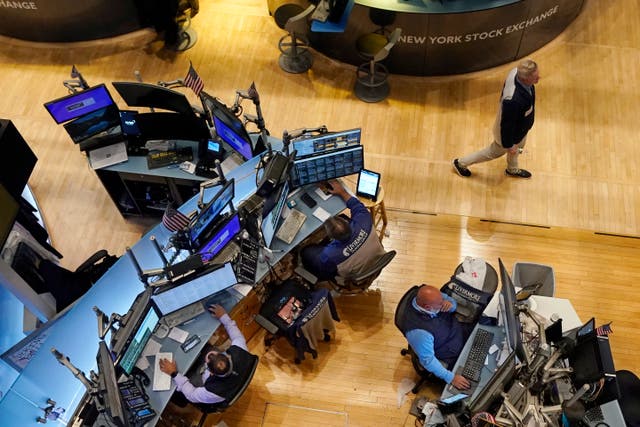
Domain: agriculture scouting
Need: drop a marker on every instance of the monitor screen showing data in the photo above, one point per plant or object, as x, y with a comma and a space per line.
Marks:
139, 340
195, 290
326, 166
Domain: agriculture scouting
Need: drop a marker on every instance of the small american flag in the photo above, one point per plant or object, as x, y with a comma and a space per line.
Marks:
193, 80
173, 219
604, 330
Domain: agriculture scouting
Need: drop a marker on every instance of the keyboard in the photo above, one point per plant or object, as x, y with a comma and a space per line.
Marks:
247, 261
477, 355
178, 317
290, 226
161, 381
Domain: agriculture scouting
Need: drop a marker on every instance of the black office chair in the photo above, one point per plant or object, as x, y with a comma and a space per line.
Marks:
66, 286
220, 407
425, 376
358, 283
310, 320
629, 399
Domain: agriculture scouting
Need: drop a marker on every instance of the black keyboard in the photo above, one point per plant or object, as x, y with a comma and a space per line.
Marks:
477, 355
247, 261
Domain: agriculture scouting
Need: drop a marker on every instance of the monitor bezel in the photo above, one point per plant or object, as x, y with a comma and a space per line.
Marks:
366, 195
108, 385
218, 229
117, 122
176, 101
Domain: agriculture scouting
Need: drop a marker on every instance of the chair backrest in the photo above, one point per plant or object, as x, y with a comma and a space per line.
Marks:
471, 301
298, 24
403, 304
364, 279
384, 52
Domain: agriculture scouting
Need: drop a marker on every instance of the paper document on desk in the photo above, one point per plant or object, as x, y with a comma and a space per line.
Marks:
179, 335
322, 194
321, 214
151, 348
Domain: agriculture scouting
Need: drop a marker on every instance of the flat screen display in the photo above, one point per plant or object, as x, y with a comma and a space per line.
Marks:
221, 238
271, 220
326, 166
8, 212
139, 340
228, 134
368, 184
78, 104
129, 122
105, 120
211, 212
195, 290
326, 141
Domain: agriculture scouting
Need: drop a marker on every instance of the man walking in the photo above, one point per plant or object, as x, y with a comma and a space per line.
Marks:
515, 118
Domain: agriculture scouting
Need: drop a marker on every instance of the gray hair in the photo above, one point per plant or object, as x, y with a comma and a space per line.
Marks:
526, 67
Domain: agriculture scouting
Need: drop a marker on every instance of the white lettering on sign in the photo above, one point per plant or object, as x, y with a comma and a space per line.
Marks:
490, 34
18, 4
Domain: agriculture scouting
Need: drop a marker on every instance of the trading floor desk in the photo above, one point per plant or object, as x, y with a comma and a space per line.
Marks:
74, 334
500, 363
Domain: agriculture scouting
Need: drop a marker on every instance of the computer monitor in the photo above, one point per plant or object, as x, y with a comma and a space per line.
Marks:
496, 384
326, 141
210, 214
509, 314
138, 340
109, 393
18, 160
326, 166
105, 120
271, 217
78, 104
228, 127
195, 290
120, 338
586, 329
129, 122
137, 94
592, 363
223, 234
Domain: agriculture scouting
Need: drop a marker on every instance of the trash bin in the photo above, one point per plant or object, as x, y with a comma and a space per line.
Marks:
527, 274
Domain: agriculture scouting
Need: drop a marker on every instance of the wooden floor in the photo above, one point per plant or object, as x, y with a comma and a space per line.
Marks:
582, 151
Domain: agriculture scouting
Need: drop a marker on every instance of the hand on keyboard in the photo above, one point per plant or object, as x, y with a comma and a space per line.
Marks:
217, 310
460, 382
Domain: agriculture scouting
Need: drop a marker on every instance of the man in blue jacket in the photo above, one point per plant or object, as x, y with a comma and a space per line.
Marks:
434, 333
354, 243
515, 118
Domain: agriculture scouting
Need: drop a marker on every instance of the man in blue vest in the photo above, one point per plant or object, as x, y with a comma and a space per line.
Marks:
435, 334
354, 244
222, 376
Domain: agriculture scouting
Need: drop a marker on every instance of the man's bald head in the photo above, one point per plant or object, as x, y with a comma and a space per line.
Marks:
429, 298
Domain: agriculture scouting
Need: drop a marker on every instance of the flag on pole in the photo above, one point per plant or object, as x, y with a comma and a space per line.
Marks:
193, 80
604, 330
173, 219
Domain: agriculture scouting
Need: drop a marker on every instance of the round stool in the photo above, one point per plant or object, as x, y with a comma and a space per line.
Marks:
286, 11
371, 82
368, 45
378, 212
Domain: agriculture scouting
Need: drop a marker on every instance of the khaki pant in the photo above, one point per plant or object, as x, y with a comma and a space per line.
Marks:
493, 151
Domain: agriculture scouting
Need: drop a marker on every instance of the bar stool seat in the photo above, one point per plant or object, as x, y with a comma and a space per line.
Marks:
369, 44
378, 212
284, 12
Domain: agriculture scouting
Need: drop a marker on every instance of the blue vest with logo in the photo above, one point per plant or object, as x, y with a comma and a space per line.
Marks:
449, 335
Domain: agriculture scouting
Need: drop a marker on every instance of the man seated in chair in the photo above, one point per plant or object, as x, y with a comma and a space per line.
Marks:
434, 333
222, 368
354, 243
